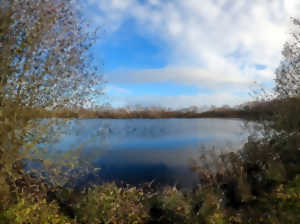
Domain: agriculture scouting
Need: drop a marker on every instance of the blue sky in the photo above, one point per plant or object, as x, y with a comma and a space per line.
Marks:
177, 53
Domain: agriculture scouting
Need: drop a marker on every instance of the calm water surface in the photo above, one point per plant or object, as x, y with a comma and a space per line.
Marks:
143, 150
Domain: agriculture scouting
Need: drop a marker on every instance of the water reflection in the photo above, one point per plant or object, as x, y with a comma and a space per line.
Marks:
143, 150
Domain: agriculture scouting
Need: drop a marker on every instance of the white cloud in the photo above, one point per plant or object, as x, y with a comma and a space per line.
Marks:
115, 90
212, 43
222, 77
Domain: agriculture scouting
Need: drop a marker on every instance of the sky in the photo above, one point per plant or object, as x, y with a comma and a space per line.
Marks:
181, 53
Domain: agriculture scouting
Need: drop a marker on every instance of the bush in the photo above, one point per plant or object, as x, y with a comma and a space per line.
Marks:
169, 206
111, 204
27, 210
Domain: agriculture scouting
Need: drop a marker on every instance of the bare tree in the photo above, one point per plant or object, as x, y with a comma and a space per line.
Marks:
44, 63
288, 73
43, 57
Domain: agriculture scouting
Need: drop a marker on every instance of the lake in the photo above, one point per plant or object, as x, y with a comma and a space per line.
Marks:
135, 151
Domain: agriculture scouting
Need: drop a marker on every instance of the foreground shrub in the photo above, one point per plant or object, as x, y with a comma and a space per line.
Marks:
27, 210
207, 206
288, 201
111, 204
169, 206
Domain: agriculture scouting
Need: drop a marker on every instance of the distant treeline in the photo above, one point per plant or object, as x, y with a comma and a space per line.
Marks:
251, 110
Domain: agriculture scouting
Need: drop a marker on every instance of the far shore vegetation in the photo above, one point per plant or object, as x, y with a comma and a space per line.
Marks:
45, 63
250, 111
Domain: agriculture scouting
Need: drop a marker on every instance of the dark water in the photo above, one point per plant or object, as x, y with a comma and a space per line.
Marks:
143, 150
